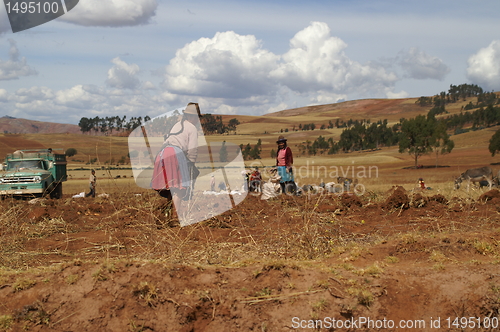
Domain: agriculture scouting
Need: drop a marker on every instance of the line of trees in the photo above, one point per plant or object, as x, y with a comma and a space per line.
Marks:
110, 125
319, 145
362, 135
416, 136
454, 94
115, 124
214, 125
483, 100
339, 123
481, 118
251, 152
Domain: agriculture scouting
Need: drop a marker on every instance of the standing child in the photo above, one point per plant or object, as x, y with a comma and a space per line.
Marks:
212, 183
92, 183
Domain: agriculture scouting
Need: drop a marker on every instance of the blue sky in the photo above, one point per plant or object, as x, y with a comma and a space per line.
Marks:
144, 57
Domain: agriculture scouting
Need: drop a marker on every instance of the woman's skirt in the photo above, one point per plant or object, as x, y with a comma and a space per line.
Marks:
285, 175
171, 170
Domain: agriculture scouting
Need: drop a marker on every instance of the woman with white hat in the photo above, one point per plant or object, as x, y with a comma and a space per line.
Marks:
174, 170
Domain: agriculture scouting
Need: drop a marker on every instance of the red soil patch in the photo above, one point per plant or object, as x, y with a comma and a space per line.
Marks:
121, 265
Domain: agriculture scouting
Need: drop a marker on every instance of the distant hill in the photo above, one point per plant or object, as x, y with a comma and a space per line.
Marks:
363, 108
27, 134
11, 125
372, 109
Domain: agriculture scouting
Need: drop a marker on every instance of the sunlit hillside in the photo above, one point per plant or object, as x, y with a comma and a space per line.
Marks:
471, 148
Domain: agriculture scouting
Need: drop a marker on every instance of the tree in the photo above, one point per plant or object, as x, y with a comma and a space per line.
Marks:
320, 144
273, 153
255, 152
442, 140
213, 124
417, 136
85, 124
494, 146
71, 152
232, 124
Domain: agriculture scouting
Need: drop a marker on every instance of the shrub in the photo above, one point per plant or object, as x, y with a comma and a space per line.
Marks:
71, 152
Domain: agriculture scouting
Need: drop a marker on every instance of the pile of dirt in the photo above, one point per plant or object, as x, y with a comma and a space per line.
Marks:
350, 200
491, 197
398, 199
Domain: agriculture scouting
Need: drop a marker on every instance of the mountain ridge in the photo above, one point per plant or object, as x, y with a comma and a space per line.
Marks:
12, 125
373, 109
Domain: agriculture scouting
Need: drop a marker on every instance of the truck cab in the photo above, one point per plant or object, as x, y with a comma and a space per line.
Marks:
33, 173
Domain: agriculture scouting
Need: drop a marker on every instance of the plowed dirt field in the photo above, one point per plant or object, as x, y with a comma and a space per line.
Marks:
394, 261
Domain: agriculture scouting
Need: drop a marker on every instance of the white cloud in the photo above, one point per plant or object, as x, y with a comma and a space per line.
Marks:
277, 108
123, 75
16, 66
4, 96
419, 65
34, 93
112, 13
45, 104
82, 97
238, 71
316, 61
228, 73
227, 66
148, 85
484, 67
397, 95
327, 98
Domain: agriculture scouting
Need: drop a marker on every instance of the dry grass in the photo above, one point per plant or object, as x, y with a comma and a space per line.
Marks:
148, 232
22, 284
5, 322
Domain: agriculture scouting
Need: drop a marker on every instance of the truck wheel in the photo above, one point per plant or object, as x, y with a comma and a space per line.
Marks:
46, 190
56, 192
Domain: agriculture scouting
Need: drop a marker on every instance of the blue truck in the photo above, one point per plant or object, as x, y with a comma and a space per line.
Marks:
33, 173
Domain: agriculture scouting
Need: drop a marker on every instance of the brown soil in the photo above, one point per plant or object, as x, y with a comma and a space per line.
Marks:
119, 264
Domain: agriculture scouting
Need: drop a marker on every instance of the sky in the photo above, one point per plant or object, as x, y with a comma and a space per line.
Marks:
146, 57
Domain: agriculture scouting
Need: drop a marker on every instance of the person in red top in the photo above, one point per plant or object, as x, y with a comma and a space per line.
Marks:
422, 184
284, 163
255, 180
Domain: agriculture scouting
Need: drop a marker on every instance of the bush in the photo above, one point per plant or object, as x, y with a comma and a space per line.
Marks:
71, 152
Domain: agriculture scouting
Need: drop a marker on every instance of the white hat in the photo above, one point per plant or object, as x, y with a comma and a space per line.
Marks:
192, 108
